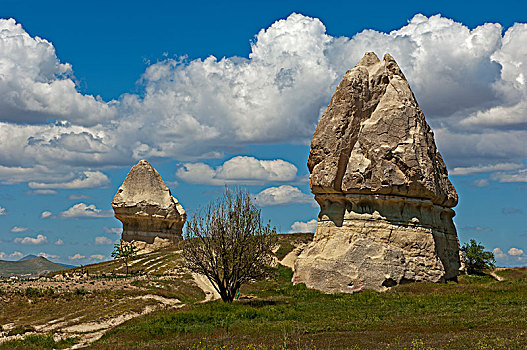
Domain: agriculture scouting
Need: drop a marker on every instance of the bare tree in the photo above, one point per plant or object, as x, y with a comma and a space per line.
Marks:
228, 243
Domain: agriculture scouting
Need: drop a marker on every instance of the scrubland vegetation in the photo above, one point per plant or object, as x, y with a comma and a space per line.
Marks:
478, 312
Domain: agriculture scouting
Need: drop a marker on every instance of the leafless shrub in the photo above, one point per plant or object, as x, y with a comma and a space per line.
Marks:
228, 243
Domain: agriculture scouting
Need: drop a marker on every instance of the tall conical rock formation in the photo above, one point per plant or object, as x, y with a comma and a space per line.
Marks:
146, 207
382, 186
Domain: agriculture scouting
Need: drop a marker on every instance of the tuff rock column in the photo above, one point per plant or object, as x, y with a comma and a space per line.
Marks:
146, 207
383, 189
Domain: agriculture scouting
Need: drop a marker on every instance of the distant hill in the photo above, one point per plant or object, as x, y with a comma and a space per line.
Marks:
31, 256
67, 266
31, 267
28, 257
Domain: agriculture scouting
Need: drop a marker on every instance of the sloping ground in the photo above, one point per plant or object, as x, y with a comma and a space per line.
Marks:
33, 267
162, 310
479, 312
81, 304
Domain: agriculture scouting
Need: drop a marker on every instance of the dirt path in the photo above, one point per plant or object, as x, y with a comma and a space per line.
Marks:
88, 332
498, 278
206, 287
92, 331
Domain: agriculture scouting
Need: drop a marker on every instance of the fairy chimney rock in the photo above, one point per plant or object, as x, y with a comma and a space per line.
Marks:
382, 187
146, 207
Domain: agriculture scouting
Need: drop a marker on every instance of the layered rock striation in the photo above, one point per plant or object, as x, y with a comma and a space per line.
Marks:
382, 187
146, 207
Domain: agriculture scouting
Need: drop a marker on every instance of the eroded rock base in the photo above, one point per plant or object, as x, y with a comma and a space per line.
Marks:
147, 229
376, 242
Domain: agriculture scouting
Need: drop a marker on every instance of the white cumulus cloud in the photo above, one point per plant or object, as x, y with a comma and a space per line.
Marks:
238, 170
300, 226
39, 192
45, 214
40, 239
282, 195
480, 183
75, 197
19, 229
35, 86
97, 257
484, 168
88, 179
47, 256
499, 254
16, 255
3, 211
100, 240
114, 230
82, 210
59, 242
469, 82
515, 251
513, 257
518, 176
77, 256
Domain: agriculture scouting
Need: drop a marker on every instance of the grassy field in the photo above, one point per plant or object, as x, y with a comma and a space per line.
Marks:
476, 313
72, 305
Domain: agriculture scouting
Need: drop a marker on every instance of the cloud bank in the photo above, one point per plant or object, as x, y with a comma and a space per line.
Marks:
469, 82
300, 226
282, 195
238, 170
39, 239
514, 256
82, 210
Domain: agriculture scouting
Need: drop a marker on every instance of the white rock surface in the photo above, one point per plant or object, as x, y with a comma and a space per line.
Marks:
382, 187
146, 207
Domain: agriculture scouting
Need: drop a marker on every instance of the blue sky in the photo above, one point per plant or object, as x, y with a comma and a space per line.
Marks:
214, 92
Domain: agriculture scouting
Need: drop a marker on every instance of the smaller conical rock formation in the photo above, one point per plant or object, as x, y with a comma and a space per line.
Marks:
146, 207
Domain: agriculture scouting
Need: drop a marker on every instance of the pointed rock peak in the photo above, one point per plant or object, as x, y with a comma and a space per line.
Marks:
369, 59
373, 139
392, 66
388, 58
144, 162
143, 184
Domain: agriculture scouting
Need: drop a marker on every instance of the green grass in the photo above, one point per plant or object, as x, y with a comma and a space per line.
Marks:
39, 342
476, 313
21, 330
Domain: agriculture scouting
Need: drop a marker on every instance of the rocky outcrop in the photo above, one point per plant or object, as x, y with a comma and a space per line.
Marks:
382, 187
146, 207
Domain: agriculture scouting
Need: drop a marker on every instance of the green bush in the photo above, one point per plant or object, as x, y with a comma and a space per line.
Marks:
39, 341
81, 291
477, 259
21, 330
38, 293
